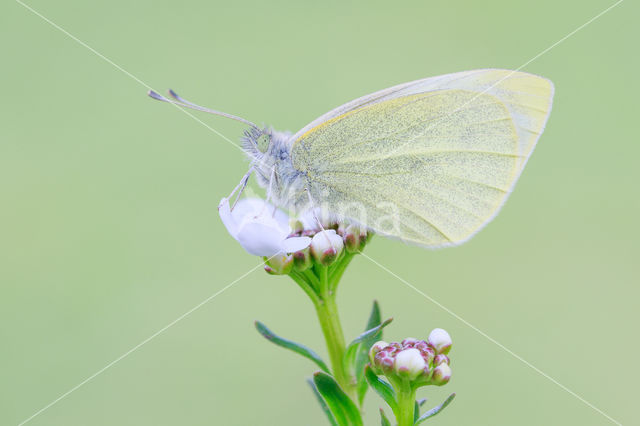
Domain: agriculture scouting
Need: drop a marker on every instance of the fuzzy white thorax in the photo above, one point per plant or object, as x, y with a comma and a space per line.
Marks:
274, 169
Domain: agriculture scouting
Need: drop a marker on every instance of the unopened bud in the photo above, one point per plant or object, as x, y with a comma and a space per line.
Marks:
409, 363
440, 340
352, 239
428, 354
383, 361
296, 226
280, 264
365, 237
377, 347
302, 260
441, 375
409, 342
326, 246
441, 359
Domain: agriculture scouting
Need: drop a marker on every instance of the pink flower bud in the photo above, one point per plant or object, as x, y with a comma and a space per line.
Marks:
441, 359
377, 347
383, 361
352, 240
409, 342
428, 354
302, 260
441, 375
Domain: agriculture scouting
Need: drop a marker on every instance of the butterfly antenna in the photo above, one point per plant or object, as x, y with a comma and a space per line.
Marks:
186, 104
177, 97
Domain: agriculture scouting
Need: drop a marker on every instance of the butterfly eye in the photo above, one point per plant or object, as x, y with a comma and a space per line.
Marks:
263, 142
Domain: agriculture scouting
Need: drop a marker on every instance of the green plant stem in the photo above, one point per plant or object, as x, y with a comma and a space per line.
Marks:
329, 319
406, 404
305, 285
336, 273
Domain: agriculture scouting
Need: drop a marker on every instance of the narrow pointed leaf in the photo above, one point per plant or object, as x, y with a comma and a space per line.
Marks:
416, 410
384, 421
362, 354
371, 332
292, 346
343, 409
350, 353
382, 388
322, 403
375, 317
435, 410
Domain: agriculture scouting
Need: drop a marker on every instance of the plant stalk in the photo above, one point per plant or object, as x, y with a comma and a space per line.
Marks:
406, 405
327, 312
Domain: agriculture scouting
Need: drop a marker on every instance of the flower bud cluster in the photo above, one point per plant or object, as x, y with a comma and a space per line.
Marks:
419, 361
327, 245
266, 231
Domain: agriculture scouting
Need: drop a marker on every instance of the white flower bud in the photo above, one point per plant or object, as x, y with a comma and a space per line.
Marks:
377, 347
440, 340
409, 363
279, 264
441, 374
326, 246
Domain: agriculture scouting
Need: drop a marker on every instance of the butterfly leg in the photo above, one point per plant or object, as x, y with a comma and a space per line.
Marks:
275, 177
270, 187
240, 187
269, 191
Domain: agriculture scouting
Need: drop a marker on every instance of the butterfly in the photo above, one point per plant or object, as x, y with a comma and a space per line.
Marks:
429, 162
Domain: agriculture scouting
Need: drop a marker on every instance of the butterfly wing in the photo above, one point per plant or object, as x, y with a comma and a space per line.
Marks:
429, 162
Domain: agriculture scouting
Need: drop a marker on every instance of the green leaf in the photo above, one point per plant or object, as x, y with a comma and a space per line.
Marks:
292, 346
352, 349
362, 354
361, 388
369, 333
384, 421
382, 388
343, 409
322, 403
416, 410
435, 410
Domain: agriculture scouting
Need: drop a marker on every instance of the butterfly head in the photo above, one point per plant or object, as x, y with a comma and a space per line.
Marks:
257, 142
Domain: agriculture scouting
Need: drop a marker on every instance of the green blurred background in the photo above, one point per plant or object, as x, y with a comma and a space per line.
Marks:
109, 229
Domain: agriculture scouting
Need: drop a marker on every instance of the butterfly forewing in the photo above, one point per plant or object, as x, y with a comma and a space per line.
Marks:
429, 162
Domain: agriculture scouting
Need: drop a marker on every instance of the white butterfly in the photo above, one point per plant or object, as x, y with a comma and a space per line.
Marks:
429, 162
